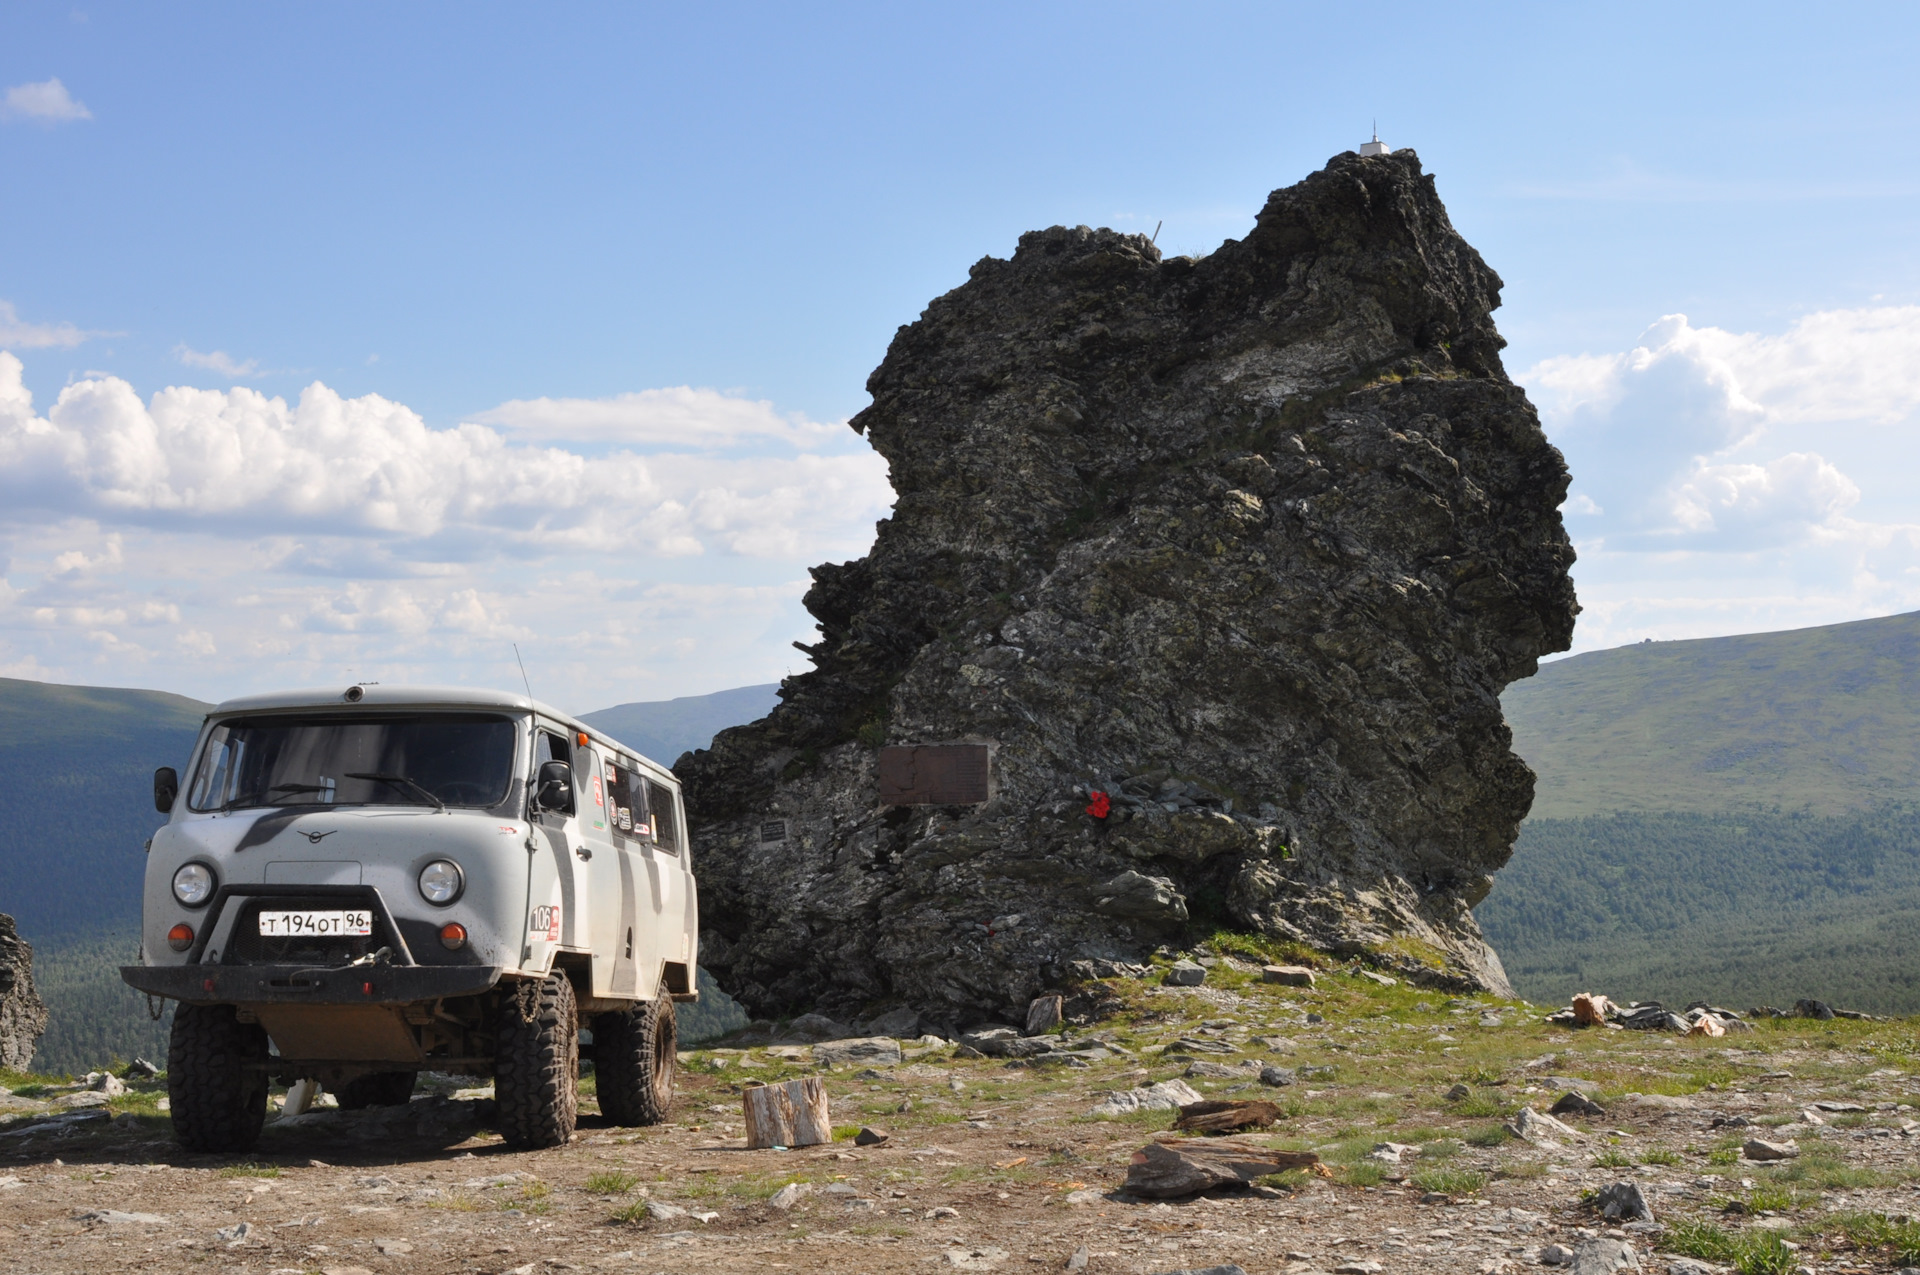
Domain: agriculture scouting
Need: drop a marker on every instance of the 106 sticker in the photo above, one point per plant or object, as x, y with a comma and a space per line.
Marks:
545, 922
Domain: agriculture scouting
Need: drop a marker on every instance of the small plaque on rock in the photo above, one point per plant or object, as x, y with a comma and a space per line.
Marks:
933, 774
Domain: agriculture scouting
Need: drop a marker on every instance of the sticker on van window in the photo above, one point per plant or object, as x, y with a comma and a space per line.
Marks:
598, 799
545, 922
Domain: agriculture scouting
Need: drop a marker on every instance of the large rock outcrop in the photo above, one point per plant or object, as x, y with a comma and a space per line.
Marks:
1250, 542
23, 1015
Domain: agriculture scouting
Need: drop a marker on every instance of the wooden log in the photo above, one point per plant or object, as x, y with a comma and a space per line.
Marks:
1167, 1170
1226, 1117
793, 1114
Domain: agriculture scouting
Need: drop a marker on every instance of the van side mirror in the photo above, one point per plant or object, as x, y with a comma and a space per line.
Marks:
554, 788
166, 788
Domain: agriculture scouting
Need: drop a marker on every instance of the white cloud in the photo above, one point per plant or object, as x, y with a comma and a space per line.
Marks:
216, 361
47, 101
20, 335
243, 463
1735, 481
217, 542
680, 416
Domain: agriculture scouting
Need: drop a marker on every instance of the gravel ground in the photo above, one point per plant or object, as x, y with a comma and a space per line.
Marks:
999, 1167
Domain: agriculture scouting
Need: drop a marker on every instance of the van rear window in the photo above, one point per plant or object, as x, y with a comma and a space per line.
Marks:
414, 759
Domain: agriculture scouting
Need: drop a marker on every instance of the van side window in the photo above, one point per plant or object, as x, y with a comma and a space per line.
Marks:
627, 806
547, 747
665, 817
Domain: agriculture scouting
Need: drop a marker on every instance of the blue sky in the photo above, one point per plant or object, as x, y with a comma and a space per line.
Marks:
392, 335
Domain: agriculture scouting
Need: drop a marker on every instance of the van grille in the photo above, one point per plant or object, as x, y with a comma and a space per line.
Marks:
247, 946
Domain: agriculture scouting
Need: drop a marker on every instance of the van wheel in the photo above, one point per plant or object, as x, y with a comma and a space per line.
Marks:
633, 1061
537, 1063
381, 1089
218, 1102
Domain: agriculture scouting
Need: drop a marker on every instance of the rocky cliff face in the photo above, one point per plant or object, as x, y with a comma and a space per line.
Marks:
1250, 543
23, 1015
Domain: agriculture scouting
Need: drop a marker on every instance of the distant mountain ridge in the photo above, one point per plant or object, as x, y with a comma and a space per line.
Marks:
1825, 719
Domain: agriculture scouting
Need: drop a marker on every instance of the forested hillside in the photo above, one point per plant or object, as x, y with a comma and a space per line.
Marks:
1744, 909
1731, 818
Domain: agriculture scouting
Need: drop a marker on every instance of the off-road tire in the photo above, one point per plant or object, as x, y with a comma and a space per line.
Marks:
536, 1063
218, 1102
380, 1089
633, 1062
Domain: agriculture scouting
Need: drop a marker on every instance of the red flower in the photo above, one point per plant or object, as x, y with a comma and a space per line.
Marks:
1099, 806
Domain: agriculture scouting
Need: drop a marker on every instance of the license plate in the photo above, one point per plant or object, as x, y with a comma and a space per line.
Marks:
282, 925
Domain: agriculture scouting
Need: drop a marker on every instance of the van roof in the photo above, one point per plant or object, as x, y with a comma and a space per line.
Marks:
374, 695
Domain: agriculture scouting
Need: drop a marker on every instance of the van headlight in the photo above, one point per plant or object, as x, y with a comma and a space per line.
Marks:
193, 884
441, 882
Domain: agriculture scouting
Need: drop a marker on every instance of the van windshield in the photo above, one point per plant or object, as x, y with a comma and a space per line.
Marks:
416, 759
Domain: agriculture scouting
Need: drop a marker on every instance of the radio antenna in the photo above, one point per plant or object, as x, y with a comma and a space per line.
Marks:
523, 670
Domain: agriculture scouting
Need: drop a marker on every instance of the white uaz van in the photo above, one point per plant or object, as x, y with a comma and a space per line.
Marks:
356, 886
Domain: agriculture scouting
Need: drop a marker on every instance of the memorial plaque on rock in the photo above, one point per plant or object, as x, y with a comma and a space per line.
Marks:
933, 774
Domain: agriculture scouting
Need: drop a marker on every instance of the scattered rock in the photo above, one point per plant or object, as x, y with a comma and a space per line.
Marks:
869, 1137
1276, 1076
1078, 1262
1590, 1010
141, 1069
1624, 1202
1381, 979
1556, 1255
1813, 1009
945, 1210
1168, 1095
1391, 1152
883, 1050
790, 1194
1186, 974
902, 1024
1575, 1103
1229, 1269
1459, 1093
818, 1027
393, 1248
1531, 1126
1167, 1170
1084, 1197
114, 1217
1226, 1117
976, 1259
1603, 1257
1212, 1071
109, 1084
234, 1236
1290, 975
1760, 1149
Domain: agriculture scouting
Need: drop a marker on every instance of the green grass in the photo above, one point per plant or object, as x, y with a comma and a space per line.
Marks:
612, 1182
1749, 1253
1873, 1230
1660, 1155
250, 1171
1450, 1181
1612, 1159
1492, 1135
629, 1213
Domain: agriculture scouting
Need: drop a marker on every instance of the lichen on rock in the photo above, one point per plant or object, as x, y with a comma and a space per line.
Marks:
1250, 543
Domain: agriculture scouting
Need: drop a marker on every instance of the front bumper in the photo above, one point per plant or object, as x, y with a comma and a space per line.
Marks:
305, 985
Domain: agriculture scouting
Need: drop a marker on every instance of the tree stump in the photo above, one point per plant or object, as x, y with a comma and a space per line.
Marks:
793, 1114
1226, 1117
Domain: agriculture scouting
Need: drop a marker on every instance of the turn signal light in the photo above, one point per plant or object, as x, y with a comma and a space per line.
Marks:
180, 937
453, 936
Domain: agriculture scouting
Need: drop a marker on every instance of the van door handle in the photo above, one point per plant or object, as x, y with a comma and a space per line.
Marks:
583, 852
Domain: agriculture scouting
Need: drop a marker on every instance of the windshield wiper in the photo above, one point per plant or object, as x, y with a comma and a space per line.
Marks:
298, 788
400, 781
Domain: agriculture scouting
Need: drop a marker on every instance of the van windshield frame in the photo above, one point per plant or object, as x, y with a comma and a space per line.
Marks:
457, 759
